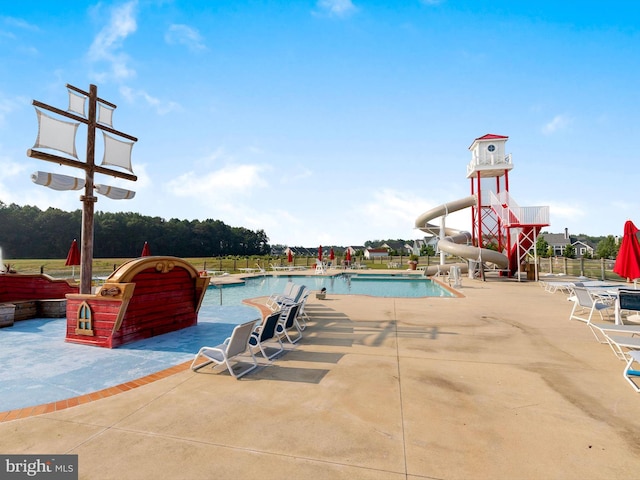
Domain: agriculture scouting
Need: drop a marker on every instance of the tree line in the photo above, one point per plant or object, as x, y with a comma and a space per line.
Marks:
606, 247
28, 232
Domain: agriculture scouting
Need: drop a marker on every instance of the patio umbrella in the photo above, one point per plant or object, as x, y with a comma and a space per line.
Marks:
332, 255
146, 252
347, 256
320, 253
289, 255
73, 257
628, 260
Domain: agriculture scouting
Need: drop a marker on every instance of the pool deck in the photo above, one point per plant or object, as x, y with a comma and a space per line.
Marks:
498, 384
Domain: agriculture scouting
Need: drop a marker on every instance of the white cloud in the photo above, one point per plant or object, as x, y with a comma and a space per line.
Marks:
299, 174
107, 44
337, 8
162, 107
20, 23
7, 106
184, 35
225, 184
564, 211
559, 122
391, 209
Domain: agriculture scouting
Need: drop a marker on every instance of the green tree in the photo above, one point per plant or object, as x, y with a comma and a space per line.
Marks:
607, 248
542, 247
427, 250
570, 251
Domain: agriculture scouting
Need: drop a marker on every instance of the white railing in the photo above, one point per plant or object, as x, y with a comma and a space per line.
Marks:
519, 215
489, 160
534, 216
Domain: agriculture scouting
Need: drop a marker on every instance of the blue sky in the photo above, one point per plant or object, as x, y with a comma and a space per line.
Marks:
335, 121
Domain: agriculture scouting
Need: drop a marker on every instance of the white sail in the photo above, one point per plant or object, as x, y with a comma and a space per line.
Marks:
57, 181
56, 134
117, 152
76, 103
105, 115
114, 193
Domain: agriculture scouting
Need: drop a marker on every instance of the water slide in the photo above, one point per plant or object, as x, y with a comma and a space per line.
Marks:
455, 242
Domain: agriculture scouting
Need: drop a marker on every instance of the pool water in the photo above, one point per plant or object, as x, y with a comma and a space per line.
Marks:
72, 369
376, 285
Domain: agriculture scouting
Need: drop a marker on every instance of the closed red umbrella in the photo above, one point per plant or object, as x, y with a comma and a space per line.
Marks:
146, 252
320, 253
348, 255
73, 257
332, 255
628, 260
289, 256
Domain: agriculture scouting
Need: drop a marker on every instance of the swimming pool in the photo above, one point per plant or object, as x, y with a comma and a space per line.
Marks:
40, 367
376, 285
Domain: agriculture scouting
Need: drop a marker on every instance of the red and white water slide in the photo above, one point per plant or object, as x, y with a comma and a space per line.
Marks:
456, 242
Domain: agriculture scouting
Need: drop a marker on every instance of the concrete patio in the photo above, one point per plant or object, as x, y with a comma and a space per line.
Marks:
498, 384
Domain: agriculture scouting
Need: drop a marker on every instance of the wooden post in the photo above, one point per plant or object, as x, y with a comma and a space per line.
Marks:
88, 199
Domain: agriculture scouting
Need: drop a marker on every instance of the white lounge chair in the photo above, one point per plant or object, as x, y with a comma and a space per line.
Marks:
264, 333
619, 342
234, 346
630, 373
628, 303
272, 301
585, 304
620, 335
288, 322
279, 302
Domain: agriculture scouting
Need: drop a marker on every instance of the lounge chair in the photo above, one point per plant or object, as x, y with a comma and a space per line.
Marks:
279, 302
302, 315
586, 304
620, 335
629, 372
279, 268
628, 301
618, 342
265, 332
289, 321
274, 298
235, 345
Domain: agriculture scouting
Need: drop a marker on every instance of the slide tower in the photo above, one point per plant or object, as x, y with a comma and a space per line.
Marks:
503, 232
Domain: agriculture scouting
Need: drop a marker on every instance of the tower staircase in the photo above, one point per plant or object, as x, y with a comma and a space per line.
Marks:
520, 226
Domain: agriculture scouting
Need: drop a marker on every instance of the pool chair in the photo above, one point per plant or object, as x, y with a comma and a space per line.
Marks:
616, 336
619, 342
272, 301
265, 334
320, 268
629, 374
289, 322
302, 315
628, 301
620, 334
585, 305
279, 301
234, 346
